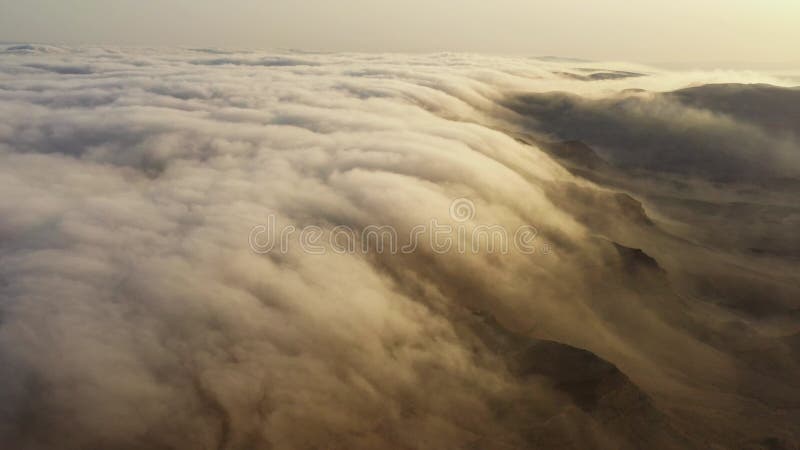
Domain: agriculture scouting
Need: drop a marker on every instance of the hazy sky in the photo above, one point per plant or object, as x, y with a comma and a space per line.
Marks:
642, 30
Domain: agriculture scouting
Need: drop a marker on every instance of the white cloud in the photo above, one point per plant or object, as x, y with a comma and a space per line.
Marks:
134, 313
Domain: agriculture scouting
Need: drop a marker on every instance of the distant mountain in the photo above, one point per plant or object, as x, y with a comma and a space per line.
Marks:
771, 107
715, 132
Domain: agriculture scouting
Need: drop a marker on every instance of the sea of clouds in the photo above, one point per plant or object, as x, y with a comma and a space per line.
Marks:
134, 313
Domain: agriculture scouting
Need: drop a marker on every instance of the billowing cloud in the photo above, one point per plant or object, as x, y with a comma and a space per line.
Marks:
134, 312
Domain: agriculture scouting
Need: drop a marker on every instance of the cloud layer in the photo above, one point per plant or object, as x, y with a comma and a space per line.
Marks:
134, 314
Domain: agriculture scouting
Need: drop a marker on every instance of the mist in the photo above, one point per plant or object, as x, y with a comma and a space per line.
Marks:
659, 308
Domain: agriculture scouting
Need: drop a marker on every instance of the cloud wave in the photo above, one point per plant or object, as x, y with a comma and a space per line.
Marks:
134, 314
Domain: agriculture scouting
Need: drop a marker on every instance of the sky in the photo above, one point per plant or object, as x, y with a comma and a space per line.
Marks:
676, 31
